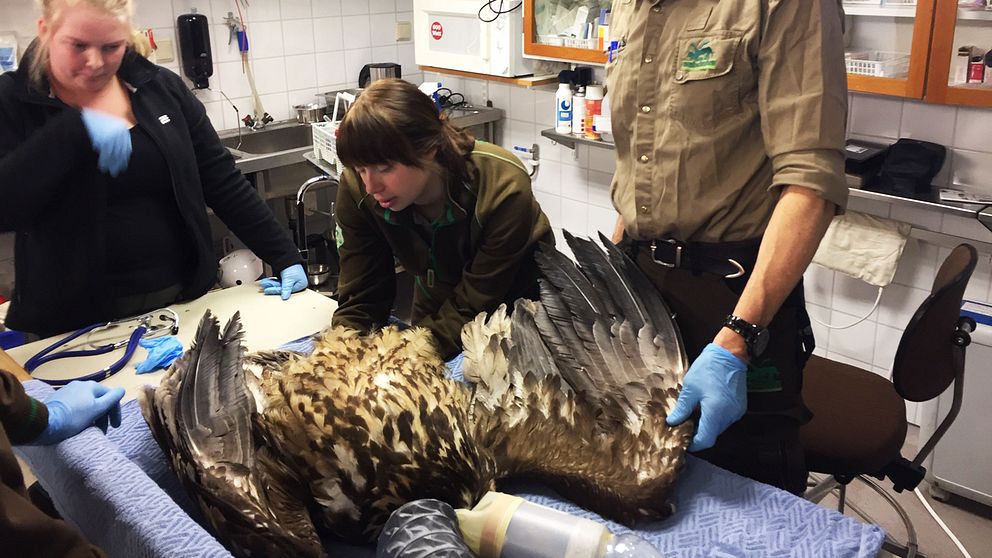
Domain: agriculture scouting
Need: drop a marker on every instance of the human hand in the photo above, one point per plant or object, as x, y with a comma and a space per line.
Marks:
162, 351
111, 140
78, 406
717, 383
291, 280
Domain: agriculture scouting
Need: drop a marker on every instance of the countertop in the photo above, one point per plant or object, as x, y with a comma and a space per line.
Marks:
268, 322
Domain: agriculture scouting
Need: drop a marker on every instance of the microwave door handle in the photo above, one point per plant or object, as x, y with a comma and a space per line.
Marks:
485, 44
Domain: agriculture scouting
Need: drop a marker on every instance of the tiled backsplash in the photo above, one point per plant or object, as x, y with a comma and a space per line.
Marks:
304, 47
299, 48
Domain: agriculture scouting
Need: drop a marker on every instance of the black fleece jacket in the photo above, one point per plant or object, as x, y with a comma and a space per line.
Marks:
55, 198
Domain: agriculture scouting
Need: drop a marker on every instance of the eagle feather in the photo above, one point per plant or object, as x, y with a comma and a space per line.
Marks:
280, 449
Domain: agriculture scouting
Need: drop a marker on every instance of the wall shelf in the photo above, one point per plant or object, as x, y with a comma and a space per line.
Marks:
570, 141
525, 81
975, 15
982, 213
880, 11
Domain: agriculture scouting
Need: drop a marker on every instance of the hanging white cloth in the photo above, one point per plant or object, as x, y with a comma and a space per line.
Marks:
864, 247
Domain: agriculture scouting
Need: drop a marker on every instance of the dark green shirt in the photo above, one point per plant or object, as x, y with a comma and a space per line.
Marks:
477, 255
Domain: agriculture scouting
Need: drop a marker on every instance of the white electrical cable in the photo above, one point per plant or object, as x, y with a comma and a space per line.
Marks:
940, 522
858, 320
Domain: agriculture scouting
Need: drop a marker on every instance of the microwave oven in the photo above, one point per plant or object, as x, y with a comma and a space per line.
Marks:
450, 34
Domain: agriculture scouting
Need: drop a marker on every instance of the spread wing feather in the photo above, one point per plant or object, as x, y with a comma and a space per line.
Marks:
202, 415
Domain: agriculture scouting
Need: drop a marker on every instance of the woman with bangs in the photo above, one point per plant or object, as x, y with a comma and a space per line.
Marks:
458, 214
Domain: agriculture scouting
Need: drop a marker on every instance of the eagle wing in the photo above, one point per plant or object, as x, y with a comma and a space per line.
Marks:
201, 415
575, 389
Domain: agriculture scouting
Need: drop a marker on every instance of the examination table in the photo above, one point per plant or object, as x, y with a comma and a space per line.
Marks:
121, 493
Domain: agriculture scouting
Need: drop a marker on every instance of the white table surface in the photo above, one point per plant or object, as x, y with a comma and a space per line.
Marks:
268, 322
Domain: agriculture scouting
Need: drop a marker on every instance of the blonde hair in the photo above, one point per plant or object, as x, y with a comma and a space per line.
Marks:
51, 11
393, 121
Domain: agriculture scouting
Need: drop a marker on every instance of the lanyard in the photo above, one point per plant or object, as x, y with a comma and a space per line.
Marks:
51, 352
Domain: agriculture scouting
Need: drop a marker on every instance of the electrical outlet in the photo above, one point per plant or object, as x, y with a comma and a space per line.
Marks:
165, 52
403, 31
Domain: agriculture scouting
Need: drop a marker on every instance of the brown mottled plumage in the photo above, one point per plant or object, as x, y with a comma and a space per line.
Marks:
573, 390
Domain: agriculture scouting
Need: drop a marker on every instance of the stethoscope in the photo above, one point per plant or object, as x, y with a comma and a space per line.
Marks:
144, 330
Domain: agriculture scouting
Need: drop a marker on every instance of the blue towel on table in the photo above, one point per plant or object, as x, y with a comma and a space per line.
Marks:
121, 493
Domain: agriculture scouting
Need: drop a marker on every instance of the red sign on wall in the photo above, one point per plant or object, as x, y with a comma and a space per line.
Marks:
437, 31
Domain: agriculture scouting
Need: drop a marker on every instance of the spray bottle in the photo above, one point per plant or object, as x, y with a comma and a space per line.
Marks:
505, 526
563, 103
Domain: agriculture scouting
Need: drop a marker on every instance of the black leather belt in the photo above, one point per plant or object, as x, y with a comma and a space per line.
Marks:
727, 259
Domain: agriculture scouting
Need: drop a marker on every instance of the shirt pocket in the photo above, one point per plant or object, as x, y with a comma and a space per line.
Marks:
705, 89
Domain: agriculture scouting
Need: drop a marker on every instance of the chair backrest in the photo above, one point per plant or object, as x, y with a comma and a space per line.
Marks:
924, 363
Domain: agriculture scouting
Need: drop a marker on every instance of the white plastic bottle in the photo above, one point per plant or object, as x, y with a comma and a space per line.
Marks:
563, 109
505, 526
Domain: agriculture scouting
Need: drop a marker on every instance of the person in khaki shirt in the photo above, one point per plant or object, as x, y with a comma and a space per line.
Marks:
459, 215
728, 119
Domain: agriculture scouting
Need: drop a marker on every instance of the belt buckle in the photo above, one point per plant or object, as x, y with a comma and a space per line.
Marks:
739, 271
678, 253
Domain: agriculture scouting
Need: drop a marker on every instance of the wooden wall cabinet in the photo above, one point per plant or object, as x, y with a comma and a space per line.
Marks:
535, 48
880, 36
955, 26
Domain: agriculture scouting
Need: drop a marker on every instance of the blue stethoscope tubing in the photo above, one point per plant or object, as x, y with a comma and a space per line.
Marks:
47, 355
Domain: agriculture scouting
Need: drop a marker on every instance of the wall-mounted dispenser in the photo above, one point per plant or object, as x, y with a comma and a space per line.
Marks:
194, 48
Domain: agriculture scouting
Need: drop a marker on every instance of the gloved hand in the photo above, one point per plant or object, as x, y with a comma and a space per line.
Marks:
78, 406
162, 351
292, 280
111, 140
717, 382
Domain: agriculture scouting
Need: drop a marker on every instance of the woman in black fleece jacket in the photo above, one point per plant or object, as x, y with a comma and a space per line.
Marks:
92, 247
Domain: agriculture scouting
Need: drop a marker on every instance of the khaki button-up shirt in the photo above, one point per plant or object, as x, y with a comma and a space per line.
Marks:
716, 105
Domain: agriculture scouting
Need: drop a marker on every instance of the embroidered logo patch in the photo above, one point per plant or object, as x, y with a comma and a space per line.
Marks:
699, 57
164, 119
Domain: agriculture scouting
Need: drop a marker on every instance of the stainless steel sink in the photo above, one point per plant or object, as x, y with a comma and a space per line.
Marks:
277, 145
270, 140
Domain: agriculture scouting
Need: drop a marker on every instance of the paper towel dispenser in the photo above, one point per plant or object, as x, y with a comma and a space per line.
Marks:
194, 48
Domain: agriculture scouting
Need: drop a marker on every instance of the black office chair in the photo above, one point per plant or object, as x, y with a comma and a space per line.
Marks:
859, 423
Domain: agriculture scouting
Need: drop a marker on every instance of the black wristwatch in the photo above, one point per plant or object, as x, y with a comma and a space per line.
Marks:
755, 337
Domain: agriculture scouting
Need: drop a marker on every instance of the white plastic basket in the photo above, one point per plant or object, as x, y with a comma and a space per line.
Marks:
325, 144
877, 63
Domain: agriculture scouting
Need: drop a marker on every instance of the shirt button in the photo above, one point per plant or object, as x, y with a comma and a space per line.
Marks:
644, 209
644, 158
645, 108
648, 60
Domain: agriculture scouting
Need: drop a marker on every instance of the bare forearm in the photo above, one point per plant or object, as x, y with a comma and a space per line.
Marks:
10, 365
618, 230
793, 234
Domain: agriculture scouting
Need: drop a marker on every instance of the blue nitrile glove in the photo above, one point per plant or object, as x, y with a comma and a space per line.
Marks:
162, 351
78, 406
111, 140
292, 280
717, 383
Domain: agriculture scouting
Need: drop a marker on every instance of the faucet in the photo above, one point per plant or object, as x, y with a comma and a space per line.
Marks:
252, 124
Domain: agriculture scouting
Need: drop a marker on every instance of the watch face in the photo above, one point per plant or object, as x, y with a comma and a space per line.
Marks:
760, 342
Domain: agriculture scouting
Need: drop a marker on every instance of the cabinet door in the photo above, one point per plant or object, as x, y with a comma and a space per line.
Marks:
953, 78
886, 45
564, 30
